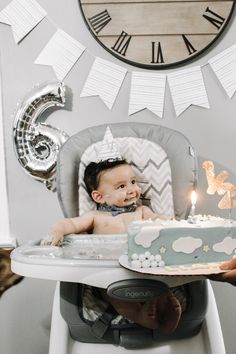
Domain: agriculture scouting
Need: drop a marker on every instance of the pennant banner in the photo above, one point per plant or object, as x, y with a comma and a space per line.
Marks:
187, 88
224, 66
147, 91
23, 16
61, 52
104, 80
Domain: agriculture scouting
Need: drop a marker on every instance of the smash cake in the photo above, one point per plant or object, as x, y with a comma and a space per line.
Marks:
199, 242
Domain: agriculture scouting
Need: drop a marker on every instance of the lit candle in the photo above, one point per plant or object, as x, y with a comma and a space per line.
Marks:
193, 202
230, 204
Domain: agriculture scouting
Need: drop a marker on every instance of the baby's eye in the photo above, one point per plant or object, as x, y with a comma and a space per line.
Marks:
121, 186
133, 181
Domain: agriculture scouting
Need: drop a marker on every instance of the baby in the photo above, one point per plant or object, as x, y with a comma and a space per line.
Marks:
113, 186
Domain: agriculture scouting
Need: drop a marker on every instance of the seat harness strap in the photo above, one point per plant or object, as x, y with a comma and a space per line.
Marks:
102, 323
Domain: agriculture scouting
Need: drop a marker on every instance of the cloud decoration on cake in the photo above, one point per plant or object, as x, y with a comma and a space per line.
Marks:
147, 235
186, 244
228, 245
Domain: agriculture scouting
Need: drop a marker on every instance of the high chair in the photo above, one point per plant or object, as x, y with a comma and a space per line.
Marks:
165, 164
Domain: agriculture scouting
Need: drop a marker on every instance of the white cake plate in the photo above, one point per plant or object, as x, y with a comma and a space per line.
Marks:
198, 269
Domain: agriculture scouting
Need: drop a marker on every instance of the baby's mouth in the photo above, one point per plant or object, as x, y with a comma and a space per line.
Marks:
131, 200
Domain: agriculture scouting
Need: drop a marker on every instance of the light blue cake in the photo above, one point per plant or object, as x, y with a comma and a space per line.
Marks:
166, 243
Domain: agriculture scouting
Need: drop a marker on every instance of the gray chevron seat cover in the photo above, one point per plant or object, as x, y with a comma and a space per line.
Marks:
163, 158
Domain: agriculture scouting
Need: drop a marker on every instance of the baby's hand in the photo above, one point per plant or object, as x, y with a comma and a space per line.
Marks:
56, 239
52, 240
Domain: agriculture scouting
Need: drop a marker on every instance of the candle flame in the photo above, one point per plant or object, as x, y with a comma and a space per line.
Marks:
193, 197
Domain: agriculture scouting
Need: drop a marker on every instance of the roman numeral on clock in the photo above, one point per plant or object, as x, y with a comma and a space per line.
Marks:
189, 45
99, 21
122, 43
215, 19
157, 56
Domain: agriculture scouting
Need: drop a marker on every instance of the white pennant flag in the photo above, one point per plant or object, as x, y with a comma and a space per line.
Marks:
147, 91
61, 52
104, 80
187, 88
224, 66
23, 16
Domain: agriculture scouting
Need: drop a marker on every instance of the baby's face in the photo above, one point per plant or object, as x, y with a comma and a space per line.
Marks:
118, 186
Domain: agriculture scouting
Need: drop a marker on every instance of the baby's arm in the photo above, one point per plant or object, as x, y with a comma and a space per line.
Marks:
75, 225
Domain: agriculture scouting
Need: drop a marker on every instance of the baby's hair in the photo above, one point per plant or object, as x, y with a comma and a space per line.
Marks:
93, 171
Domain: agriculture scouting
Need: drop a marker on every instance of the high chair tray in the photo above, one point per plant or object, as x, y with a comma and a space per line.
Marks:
47, 262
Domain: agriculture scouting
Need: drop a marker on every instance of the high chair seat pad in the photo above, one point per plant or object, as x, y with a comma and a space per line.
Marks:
174, 153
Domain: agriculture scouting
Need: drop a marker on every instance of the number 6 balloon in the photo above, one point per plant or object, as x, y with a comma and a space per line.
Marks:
37, 144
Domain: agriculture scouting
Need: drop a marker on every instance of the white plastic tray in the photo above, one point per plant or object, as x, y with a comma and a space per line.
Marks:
46, 262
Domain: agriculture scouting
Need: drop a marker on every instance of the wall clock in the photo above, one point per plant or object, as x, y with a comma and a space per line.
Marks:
156, 34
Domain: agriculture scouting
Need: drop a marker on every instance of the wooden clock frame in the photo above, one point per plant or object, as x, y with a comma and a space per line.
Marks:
99, 22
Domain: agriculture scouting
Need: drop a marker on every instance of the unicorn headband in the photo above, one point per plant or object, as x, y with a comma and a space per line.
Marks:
108, 149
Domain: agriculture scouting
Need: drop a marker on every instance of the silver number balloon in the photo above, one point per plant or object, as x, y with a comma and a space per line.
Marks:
37, 144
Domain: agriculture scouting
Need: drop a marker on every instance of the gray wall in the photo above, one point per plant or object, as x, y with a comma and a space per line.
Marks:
25, 309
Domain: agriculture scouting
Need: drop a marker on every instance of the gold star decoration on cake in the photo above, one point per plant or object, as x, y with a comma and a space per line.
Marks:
218, 184
162, 250
206, 248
